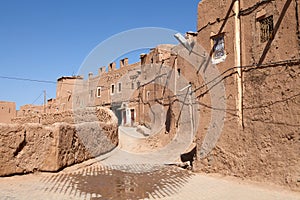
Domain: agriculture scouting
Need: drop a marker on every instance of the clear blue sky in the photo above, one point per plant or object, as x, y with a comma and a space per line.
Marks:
45, 40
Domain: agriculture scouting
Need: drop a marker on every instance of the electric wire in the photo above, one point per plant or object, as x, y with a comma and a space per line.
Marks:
35, 80
37, 98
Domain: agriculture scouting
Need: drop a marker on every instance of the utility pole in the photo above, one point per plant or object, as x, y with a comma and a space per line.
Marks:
238, 62
45, 99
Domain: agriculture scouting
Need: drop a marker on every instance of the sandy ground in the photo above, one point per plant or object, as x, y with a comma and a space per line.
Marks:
93, 180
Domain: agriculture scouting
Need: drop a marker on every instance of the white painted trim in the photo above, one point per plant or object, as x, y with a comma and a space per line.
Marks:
99, 88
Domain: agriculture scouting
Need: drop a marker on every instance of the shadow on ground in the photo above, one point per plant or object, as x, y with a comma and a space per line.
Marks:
110, 183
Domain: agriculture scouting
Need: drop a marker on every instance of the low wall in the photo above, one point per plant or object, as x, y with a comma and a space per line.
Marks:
29, 147
91, 114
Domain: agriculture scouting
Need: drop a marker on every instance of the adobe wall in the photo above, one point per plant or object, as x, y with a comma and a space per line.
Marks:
57, 142
28, 109
267, 149
65, 93
216, 17
7, 111
285, 44
85, 91
113, 76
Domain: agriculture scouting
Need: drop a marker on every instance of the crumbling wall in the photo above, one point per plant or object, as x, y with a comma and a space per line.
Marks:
29, 147
88, 114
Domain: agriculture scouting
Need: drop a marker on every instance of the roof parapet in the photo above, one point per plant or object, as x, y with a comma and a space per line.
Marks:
124, 62
112, 67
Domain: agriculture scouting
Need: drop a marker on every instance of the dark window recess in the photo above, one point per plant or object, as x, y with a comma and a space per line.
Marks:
138, 84
179, 71
120, 87
148, 95
112, 89
266, 29
99, 92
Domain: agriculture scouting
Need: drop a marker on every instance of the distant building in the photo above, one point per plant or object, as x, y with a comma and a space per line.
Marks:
129, 91
30, 109
64, 94
7, 111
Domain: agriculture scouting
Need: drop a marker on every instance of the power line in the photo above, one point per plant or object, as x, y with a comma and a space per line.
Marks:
37, 98
26, 79
36, 80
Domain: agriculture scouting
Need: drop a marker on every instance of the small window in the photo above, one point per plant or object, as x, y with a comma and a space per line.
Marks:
266, 29
119, 87
218, 47
138, 84
148, 95
112, 89
132, 85
179, 71
98, 91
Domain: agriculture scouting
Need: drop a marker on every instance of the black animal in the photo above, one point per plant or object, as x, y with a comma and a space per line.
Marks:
189, 156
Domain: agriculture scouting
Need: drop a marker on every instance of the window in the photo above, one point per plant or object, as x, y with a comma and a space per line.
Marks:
138, 84
92, 94
179, 71
98, 91
112, 89
132, 85
119, 87
266, 29
148, 95
218, 48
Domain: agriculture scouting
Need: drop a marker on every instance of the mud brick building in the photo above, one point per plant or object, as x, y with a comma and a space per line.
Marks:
7, 111
255, 45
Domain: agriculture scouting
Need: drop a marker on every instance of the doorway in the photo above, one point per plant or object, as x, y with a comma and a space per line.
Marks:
132, 116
